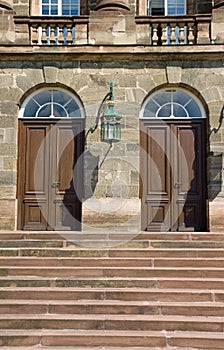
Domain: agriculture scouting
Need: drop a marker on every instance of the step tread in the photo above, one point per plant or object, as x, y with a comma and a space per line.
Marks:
124, 333
133, 318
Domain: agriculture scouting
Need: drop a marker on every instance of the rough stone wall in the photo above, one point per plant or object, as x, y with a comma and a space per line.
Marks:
21, 7
7, 28
117, 176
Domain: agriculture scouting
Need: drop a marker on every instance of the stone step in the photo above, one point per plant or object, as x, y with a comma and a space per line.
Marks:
113, 253
79, 236
112, 282
113, 322
112, 272
153, 339
113, 307
38, 243
104, 244
76, 261
21, 261
40, 347
122, 294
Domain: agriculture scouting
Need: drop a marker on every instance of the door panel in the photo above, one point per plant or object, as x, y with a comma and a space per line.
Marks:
155, 142
191, 195
47, 180
66, 175
33, 188
173, 175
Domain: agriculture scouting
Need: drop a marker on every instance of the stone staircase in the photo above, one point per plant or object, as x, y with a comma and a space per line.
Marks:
88, 291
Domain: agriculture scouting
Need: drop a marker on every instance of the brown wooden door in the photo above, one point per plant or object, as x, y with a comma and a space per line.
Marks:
173, 173
50, 175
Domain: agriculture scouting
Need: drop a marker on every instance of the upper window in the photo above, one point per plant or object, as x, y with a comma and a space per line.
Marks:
60, 8
51, 104
175, 103
166, 7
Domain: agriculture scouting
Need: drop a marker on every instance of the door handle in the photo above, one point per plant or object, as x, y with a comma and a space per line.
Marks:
55, 184
177, 185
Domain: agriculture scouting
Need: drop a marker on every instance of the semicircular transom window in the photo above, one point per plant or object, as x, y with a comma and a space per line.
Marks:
175, 103
51, 103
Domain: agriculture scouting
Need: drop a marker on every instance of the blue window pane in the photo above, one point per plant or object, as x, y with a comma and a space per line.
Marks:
180, 11
61, 97
65, 11
193, 110
74, 11
150, 109
45, 10
176, 7
45, 111
162, 97
165, 111
43, 97
73, 110
54, 10
31, 109
59, 112
179, 112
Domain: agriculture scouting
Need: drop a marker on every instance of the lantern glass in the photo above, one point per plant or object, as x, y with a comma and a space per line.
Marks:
110, 126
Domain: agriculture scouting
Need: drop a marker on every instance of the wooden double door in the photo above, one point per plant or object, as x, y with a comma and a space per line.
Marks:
50, 174
173, 175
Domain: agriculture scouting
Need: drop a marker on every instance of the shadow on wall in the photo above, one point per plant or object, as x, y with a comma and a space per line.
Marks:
91, 169
215, 175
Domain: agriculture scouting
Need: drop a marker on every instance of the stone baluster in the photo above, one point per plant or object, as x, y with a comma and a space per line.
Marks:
173, 33
181, 34
164, 34
190, 33
154, 34
61, 38
34, 34
69, 35
53, 28
43, 39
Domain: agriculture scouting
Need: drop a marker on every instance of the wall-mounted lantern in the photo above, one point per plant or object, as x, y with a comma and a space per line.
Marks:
109, 118
110, 121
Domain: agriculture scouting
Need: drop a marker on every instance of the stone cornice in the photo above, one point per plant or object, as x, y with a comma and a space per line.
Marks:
112, 52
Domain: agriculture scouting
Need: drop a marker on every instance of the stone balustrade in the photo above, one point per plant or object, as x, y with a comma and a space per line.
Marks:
182, 30
59, 31
43, 30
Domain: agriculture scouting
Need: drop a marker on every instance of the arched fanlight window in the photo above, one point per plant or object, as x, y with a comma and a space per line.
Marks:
172, 103
51, 103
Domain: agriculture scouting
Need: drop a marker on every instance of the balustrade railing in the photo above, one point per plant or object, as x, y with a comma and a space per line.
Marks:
59, 31
183, 30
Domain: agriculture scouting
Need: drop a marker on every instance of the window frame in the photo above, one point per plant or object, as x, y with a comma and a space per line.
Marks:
166, 7
59, 4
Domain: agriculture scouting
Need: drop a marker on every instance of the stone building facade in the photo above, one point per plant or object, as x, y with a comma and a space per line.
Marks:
142, 56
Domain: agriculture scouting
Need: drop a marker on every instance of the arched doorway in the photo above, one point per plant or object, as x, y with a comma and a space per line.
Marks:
173, 162
50, 172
